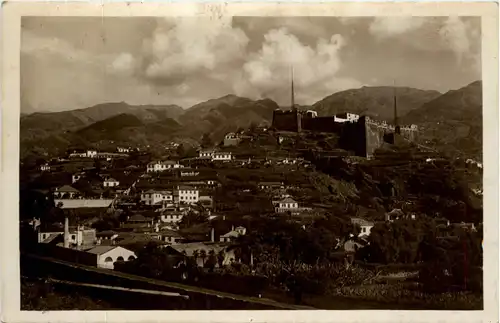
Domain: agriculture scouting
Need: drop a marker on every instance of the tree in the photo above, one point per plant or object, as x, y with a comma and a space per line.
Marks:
192, 219
203, 256
181, 150
206, 141
253, 127
196, 255
220, 258
211, 261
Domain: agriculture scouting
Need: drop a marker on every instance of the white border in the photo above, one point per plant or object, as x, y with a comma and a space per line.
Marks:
12, 12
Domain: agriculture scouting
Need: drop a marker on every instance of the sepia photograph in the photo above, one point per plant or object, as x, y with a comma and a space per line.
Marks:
251, 162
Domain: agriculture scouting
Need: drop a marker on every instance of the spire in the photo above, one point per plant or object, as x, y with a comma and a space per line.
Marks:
396, 124
293, 92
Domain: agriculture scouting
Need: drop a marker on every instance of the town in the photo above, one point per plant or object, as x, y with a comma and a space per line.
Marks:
287, 210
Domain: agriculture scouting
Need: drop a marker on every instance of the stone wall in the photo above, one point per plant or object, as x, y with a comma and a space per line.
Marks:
83, 203
287, 120
321, 124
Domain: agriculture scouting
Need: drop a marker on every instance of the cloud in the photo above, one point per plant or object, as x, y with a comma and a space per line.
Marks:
185, 47
386, 27
461, 35
268, 72
123, 64
458, 35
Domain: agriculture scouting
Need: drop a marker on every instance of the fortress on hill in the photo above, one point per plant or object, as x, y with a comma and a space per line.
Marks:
359, 134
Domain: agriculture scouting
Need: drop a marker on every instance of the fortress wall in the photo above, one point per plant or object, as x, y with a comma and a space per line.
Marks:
321, 124
286, 121
352, 137
374, 137
409, 133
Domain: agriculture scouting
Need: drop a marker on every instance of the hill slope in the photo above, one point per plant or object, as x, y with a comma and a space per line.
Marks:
377, 102
38, 125
452, 122
225, 114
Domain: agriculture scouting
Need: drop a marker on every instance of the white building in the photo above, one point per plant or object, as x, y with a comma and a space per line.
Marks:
123, 150
108, 255
206, 153
233, 234
78, 236
160, 166
286, 205
76, 177
153, 197
45, 168
172, 217
216, 155
187, 194
91, 153
365, 226
222, 156
346, 117
110, 182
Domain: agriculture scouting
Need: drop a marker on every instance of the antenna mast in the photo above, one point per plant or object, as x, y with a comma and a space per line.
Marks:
396, 124
293, 91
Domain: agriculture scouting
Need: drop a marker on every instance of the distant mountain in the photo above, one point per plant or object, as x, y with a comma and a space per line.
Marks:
57, 130
448, 121
225, 114
126, 128
377, 102
40, 124
453, 121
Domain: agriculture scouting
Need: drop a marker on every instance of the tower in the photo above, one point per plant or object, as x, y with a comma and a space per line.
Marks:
295, 111
397, 129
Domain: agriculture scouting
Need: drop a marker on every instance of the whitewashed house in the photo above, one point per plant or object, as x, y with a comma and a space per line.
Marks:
286, 205
108, 255
171, 217
153, 197
187, 194
76, 177
91, 153
160, 166
364, 225
233, 234
222, 156
206, 153
110, 182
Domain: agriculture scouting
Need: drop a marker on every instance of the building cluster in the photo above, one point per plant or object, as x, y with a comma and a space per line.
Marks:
150, 199
359, 134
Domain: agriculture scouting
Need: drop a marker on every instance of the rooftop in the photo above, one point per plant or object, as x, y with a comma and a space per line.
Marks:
287, 200
99, 250
360, 221
67, 188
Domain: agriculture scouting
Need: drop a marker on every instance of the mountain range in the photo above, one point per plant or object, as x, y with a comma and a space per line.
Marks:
452, 121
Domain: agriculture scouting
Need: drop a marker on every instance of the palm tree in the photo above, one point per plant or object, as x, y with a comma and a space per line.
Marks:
203, 255
196, 254
220, 258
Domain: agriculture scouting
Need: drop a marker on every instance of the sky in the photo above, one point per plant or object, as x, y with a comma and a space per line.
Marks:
75, 62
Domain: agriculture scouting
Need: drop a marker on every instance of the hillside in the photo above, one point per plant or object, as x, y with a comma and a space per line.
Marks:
37, 125
225, 114
452, 122
377, 102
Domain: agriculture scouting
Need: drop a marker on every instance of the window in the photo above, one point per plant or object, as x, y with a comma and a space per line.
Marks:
43, 236
119, 258
131, 258
73, 237
108, 259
